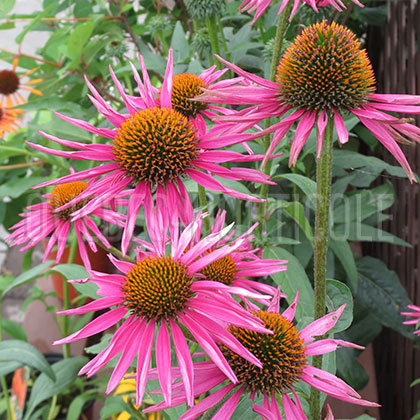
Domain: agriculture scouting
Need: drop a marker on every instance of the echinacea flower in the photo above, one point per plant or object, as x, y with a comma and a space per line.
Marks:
260, 6
9, 119
323, 75
330, 415
415, 315
45, 218
284, 357
160, 296
11, 84
235, 268
155, 148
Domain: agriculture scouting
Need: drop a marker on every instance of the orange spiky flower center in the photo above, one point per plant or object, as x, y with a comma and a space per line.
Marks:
324, 69
282, 355
9, 82
63, 194
185, 87
156, 145
222, 270
157, 287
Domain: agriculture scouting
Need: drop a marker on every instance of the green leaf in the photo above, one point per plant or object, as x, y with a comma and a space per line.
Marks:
360, 232
37, 18
338, 294
18, 186
26, 354
75, 272
179, 44
308, 186
381, 293
14, 330
350, 369
27, 276
79, 38
9, 367
344, 254
6, 6
113, 405
65, 372
97, 348
76, 406
297, 212
292, 280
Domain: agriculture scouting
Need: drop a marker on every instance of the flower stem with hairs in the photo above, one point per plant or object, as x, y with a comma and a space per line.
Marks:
323, 194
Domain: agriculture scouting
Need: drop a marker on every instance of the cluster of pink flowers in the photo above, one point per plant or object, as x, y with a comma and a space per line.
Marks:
186, 284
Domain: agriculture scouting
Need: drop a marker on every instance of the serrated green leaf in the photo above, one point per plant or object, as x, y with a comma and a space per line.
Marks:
338, 294
380, 292
25, 354
27, 276
292, 280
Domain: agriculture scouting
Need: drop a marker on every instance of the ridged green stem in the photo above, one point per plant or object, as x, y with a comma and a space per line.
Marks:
278, 42
203, 203
66, 296
214, 39
323, 194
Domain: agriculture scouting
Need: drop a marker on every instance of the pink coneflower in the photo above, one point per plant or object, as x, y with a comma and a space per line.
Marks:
160, 295
260, 6
330, 415
45, 218
284, 357
415, 315
155, 148
234, 268
323, 75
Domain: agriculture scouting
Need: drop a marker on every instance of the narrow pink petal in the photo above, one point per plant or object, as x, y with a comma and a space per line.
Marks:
99, 324
166, 91
209, 346
321, 125
275, 302
143, 360
289, 313
184, 360
163, 361
343, 135
207, 403
321, 326
330, 415
93, 306
327, 346
303, 130
227, 409
123, 266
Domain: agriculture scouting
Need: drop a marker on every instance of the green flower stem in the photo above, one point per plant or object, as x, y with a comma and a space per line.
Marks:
278, 43
203, 203
3, 383
214, 39
66, 296
323, 194
114, 251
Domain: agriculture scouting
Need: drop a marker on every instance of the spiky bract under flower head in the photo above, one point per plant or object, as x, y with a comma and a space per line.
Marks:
203, 9
324, 69
282, 355
156, 145
63, 194
157, 287
187, 86
222, 270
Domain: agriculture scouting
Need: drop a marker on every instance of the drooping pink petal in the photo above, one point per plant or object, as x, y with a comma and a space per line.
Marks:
322, 122
227, 409
163, 361
343, 135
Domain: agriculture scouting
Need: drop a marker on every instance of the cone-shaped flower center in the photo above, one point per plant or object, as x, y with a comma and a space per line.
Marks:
282, 355
325, 69
156, 145
157, 287
63, 194
9, 82
185, 87
222, 270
